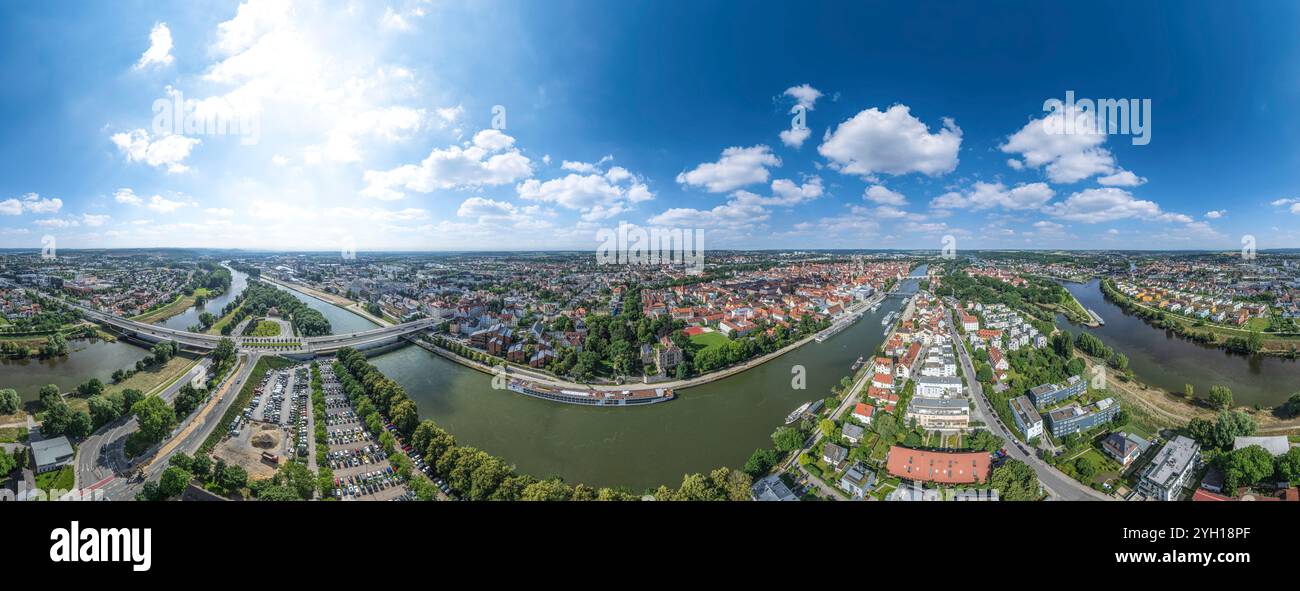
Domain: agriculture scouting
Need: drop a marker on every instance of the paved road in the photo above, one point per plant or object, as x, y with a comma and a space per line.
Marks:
100, 456
1058, 485
106, 468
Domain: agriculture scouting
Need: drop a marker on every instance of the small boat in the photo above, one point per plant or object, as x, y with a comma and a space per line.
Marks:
798, 412
857, 364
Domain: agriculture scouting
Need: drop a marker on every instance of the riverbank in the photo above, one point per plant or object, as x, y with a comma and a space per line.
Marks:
551, 381
1168, 410
175, 307
329, 298
1202, 332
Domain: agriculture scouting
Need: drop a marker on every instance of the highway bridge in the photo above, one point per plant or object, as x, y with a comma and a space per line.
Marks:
297, 346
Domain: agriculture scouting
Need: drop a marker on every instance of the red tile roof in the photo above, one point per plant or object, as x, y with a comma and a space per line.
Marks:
940, 467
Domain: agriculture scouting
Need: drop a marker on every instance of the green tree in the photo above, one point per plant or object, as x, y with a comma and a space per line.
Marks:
1247, 466
1221, 397
787, 439
760, 462
155, 417
1015, 481
9, 401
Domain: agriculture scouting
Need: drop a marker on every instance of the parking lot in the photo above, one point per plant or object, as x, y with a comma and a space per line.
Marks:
361, 467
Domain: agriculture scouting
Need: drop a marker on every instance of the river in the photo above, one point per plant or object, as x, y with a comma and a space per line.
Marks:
709, 426
88, 359
190, 317
1164, 360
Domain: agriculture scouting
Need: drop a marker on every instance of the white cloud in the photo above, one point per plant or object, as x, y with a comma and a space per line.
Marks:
1069, 157
786, 192
127, 196
804, 95
490, 159
737, 167
30, 203
93, 221
989, 195
160, 47
1215, 214
892, 142
57, 223
224, 212
1293, 203
1092, 206
162, 205
164, 151
1122, 178
597, 196
884, 196
795, 137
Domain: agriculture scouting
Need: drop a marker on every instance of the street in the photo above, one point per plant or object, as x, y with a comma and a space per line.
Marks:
1058, 485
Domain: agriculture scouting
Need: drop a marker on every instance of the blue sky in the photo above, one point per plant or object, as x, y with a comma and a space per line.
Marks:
372, 124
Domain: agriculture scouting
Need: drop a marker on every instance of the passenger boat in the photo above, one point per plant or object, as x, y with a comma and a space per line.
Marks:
798, 412
592, 397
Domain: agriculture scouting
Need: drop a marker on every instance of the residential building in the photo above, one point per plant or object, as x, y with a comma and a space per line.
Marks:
938, 467
940, 414
852, 433
863, 412
1049, 394
857, 480
1026, 417
1075, 418
1170, 470
1124, 448
833, 454
771, 488
938, 387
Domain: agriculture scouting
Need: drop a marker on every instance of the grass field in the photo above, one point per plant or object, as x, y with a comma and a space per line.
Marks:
61, 479
176, 306
13, 434
710, 340
156, 378
266, 328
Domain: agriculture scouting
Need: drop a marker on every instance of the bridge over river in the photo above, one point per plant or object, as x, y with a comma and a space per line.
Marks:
293, 346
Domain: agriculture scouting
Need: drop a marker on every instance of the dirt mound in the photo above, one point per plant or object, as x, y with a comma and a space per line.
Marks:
264, 441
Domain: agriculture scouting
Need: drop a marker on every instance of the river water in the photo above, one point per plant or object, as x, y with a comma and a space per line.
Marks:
1161, 359
99, 359
190, 317
709, 426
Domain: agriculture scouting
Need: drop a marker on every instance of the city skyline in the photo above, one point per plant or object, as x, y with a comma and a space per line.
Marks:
378, 125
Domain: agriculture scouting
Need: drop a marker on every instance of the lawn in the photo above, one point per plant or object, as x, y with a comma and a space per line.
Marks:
59, 480
710, 340
156, 378
266, 328
176, 306
13, 434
